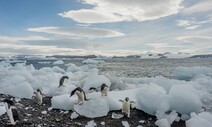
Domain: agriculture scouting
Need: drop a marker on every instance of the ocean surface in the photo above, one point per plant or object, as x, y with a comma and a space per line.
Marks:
134, 68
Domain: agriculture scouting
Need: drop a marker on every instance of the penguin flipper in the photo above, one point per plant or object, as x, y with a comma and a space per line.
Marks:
121, 100
15, 114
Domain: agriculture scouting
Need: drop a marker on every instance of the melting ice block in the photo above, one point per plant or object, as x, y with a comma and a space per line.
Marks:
96, 107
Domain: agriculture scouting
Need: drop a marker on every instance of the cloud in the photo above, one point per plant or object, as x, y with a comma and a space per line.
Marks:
87, 32
192, 38
27, 38
192, 24
40, 50
202, 6
123, 10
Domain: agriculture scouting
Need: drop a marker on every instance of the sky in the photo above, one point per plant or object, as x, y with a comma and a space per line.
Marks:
105, 27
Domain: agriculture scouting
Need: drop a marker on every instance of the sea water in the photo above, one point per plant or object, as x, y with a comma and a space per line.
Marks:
135, 68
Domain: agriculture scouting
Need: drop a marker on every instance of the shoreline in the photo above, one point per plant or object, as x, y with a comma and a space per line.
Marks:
31, 116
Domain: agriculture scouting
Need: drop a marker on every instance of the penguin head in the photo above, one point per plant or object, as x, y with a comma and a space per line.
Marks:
8, 101
103, 86
38, 90
65, 77
75, 90
127, 99
93, 89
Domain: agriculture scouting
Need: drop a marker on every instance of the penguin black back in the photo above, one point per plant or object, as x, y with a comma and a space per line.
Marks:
103, 86
13, 109
93, 88
39, 91
80, 90
9, 102
62, 80
15, 114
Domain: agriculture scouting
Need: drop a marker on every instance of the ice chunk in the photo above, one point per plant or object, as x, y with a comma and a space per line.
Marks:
152, 98
125, 123
206, 115
184, 99
116, 83
44, 112
188, 73
50, 108
171, 117
162, 123
185, 117
142, 121
91, 124
203, 119
58, 69
117, 116
91, 61
63, 102
96, 107
74, 115
23, 90
72, 68
58, 62
96, 81
102, 123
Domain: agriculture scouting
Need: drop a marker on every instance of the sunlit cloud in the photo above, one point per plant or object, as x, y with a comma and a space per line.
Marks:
87, 32
123, 10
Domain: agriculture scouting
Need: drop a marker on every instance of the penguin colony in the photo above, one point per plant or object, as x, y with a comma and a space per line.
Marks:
13, 115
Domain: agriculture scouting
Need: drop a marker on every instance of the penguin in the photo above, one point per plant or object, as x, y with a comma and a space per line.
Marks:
39, 96
80, 94
12, 111
62, 80
93, 89
104, 89
126, 106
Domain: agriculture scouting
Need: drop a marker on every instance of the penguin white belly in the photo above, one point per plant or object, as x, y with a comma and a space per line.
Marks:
105, 91
80, 96
65, 83
39, 98
10, 114
126, 108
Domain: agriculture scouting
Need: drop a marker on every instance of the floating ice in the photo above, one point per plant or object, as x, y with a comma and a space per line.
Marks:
91, 61
188, 73
58, 62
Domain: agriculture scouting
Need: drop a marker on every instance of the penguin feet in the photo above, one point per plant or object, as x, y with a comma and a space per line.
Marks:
80, 103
